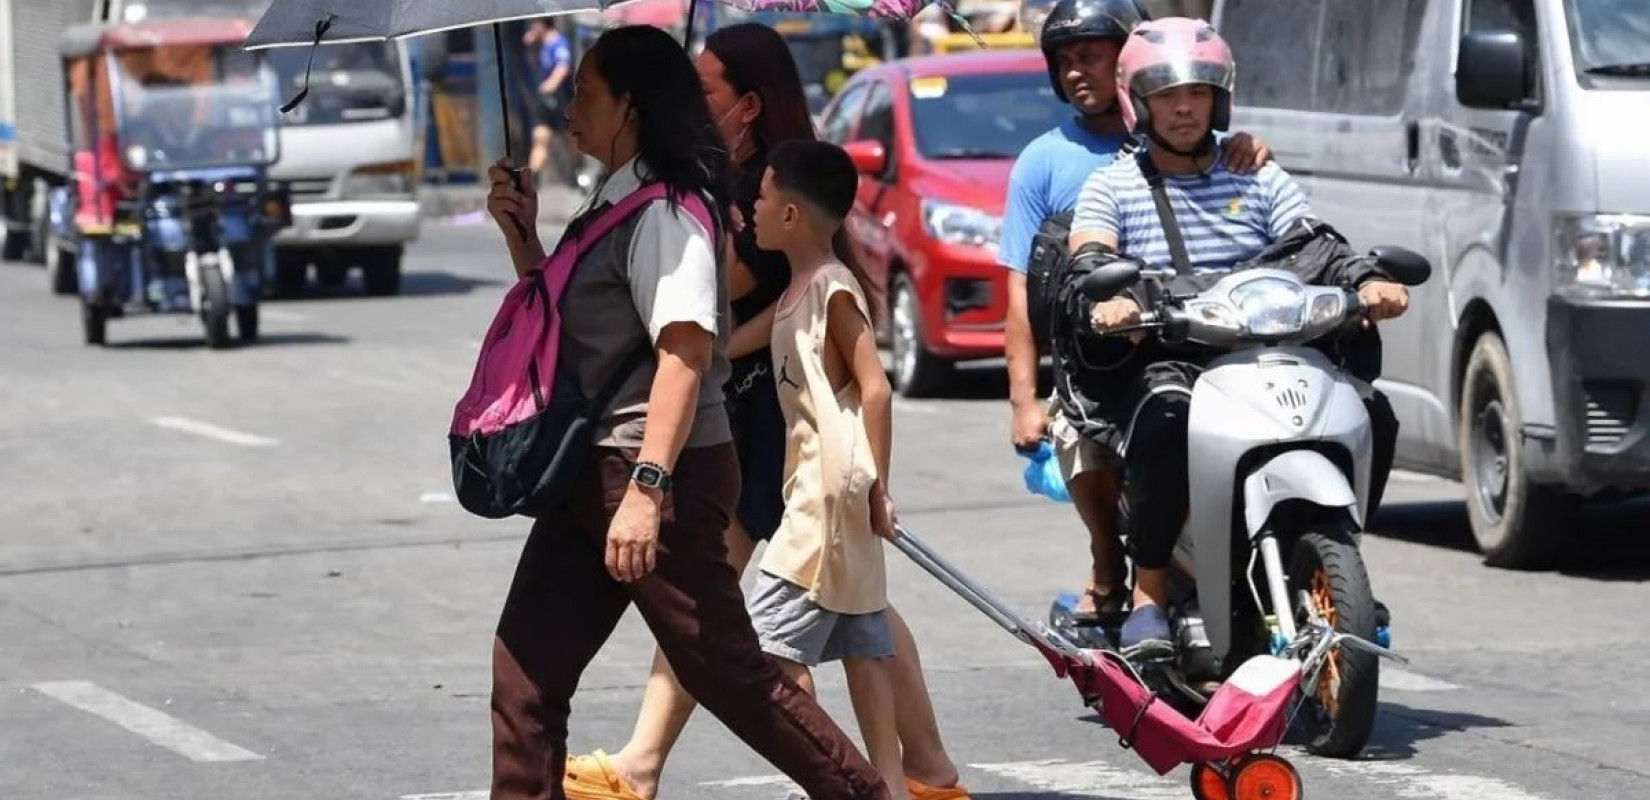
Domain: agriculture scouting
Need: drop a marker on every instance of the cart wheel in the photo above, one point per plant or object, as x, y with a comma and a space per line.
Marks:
1265, 777
1209, 784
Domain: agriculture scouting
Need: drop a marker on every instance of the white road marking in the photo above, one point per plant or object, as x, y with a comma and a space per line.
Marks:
1415, 477
753, 780
211, 431
1414, 783
1403, 680
435, 497
917, 406
166, 731
481, 795
1090, 779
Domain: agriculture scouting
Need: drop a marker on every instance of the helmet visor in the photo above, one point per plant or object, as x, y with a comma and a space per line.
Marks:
1182, 70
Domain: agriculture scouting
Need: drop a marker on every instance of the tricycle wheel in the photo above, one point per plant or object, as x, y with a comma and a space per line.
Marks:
1208, 783
246, 323
1265, 777
60, 267
94, 322
215, 308
1328, 569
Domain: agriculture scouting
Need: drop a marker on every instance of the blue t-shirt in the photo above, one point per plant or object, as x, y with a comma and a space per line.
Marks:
552, 54
1047, 179
1225, 218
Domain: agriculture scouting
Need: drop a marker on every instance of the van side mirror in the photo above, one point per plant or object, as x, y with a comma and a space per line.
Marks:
1405, 266
869, 156
1490, 70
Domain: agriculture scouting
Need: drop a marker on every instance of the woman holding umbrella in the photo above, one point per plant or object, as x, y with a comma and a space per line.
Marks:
757, 103
658, 491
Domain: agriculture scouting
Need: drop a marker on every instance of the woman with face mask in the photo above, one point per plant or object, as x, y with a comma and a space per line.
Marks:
757, 102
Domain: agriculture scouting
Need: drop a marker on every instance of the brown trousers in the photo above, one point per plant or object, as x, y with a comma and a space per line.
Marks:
563, 606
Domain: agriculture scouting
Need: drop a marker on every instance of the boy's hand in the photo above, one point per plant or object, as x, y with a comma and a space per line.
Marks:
882, 513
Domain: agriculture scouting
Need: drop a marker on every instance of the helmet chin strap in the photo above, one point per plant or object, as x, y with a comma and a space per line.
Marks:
1204, 147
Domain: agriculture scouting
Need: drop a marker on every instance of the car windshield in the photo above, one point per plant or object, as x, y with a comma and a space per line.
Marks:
1611, 37
358, 82
195, 107
982, 116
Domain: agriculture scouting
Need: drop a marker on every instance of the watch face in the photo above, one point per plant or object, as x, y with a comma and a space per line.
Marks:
648, 476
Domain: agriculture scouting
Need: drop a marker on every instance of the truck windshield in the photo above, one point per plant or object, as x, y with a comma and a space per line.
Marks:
1611, 37
195, 108
358, 82
991, 116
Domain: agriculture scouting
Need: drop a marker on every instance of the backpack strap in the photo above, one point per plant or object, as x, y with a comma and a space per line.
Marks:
602, 222
1165, 215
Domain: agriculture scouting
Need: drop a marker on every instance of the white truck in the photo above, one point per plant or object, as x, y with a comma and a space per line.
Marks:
34, 156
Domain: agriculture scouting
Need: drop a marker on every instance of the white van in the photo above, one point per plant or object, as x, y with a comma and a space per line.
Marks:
1505, 140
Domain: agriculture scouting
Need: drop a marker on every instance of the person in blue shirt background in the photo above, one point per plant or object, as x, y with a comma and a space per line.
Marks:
552, 62
1080, 40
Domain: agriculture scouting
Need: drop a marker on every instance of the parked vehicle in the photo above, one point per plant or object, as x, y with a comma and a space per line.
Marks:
34, 158
171, 127
1503, 140
1279, 478
935, 138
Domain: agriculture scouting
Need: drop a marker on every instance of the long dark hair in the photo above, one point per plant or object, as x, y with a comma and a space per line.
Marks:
756, 59
675, 136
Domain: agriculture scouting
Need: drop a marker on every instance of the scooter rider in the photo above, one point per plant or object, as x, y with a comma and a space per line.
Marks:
1176, 77
1080, 40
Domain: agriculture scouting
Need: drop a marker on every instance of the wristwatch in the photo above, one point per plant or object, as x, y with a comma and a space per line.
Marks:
649, 475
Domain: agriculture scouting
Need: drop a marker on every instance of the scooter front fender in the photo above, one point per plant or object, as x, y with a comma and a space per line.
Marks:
1296, 475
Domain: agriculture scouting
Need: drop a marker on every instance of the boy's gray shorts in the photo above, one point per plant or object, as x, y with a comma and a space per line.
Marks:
794, 628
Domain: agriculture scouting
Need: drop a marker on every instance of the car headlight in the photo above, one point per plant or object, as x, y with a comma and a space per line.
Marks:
1603, 256
394, 177
1270, 306
955, 224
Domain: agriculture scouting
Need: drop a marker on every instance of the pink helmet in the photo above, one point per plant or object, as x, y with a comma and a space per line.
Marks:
1170, 52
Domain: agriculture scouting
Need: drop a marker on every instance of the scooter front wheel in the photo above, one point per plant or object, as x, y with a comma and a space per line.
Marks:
215, 308
1326, 567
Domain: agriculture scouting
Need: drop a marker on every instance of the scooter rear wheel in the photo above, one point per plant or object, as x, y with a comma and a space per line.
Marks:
1266, 777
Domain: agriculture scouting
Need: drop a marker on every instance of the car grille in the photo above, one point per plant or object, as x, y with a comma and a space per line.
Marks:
1611, 412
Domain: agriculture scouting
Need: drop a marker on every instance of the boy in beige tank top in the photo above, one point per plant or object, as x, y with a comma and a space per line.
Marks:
822, 589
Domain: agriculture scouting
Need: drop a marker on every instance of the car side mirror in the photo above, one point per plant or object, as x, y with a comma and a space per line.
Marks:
1490, 70
1405, 266
1109, 280
869, 157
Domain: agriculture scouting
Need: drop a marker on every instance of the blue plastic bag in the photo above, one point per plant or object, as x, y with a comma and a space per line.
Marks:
1042, 473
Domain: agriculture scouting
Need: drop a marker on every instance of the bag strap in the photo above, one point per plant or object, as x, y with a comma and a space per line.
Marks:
1165, 215
604, 220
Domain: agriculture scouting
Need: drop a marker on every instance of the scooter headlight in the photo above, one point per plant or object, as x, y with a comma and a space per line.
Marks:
1270, 307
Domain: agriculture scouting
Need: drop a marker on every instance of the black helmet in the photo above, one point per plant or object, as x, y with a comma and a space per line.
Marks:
1081, 20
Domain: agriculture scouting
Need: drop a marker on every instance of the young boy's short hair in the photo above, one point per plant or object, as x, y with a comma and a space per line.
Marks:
819, 173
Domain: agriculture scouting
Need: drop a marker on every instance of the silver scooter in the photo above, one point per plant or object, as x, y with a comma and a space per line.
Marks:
1279, 448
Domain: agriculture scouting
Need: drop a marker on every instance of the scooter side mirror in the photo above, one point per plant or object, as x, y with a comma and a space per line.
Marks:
1109, 280
1405, 266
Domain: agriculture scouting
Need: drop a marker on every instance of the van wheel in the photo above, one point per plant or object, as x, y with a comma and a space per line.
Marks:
246, 322
1518, 524
917, 372
381, 272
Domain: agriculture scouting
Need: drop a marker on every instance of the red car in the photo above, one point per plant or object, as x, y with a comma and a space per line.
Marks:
935, 139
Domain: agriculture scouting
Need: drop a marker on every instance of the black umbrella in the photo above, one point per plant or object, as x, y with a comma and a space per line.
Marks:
318, 22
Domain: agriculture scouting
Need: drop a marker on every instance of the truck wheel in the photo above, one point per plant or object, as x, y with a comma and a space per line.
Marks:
331, 275
1328, 570
917, 372
246, 323
381, 272
1518, 524
94, 322
215, 308
60, 267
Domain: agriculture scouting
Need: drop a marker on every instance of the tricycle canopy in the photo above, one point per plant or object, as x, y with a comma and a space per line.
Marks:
169, 96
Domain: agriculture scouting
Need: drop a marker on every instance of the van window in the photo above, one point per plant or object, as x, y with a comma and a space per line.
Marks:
1350, 56
1270, 76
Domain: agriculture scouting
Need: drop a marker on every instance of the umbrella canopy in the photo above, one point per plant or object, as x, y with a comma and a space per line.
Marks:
294, 22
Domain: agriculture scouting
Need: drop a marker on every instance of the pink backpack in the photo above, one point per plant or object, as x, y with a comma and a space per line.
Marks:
522, 431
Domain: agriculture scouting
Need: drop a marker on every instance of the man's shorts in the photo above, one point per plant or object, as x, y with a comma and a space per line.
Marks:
794, 628
1077, 454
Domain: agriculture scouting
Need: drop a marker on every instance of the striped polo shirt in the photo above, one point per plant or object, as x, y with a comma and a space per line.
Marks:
1225, 218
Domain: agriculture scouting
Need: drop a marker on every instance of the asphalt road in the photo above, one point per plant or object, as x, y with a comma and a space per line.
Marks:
239, 574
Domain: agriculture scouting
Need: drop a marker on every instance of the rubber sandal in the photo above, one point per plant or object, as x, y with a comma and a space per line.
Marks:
1108, 607
922, 791
592, 777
